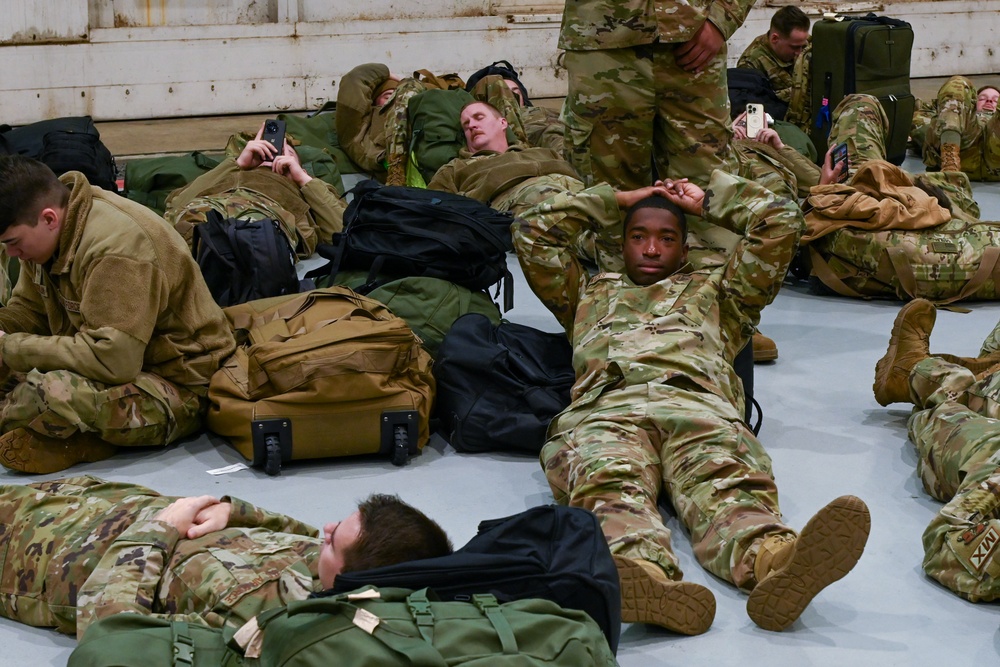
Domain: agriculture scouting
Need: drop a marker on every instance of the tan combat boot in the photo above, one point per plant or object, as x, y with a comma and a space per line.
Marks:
908, 344
27, 451
648, 596
951, 158
764, 348
790, 572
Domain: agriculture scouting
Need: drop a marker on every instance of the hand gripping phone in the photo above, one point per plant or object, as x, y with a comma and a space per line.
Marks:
756, 120
274, 134
839, 155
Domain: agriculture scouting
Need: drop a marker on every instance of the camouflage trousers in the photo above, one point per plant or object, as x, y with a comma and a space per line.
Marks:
957, 435
60, 404
557, 197
614, 455
52, 537
630, 111
240, 203
980, 133
860, 122
923, 114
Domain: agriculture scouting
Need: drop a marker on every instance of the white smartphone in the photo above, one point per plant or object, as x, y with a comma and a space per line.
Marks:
756, 120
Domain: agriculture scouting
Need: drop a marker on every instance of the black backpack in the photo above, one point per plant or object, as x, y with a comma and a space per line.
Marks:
499, 385
748, 85
503, 69
244, 260
550, 552
64, 144
401, 231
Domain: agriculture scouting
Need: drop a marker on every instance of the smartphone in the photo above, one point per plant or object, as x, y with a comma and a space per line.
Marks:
839, 155
756, 120
274, 134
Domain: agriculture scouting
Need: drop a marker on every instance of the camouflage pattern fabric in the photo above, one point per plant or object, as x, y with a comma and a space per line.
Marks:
860, 122
790, 81
494, 91
147, 412
954, 428
630, 110
397, 130
923, 114
77, 549
656, 401
240, 203
980, 131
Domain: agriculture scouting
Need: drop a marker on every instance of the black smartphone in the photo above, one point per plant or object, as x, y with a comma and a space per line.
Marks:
274, 134
840, 155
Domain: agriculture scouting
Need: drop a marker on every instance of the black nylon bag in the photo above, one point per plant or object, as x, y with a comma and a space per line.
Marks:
244, 260
28, 139
66, 150
499, 385
403, 231
550, 552
748, 85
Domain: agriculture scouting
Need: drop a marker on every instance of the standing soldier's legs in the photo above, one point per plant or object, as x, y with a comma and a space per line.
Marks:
52, 420
52, 539
860, 122
692, 126
600, 457
608, 113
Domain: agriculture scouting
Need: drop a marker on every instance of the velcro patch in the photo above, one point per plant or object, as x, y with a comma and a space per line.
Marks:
976, 548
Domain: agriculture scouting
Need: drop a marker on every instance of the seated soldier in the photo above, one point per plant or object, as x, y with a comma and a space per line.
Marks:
542, 126
655, 403
81, 549
964, 132
110, 336
955, 429
260, 184
783, 54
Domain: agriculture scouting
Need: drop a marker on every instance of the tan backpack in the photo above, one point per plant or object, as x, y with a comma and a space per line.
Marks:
320, 374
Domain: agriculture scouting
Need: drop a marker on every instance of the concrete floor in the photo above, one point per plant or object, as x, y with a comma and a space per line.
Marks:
823, 429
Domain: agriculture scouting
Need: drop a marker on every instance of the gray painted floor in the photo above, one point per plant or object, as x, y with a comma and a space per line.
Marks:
826, 435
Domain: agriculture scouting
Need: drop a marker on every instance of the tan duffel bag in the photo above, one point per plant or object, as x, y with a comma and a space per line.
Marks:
321, 374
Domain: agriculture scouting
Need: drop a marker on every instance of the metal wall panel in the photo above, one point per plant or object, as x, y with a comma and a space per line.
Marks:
43, 21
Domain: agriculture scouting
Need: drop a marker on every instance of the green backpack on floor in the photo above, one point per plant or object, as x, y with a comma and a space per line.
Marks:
394, 626
150, 181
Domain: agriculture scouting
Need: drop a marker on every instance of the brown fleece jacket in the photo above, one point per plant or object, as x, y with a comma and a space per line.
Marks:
121, 295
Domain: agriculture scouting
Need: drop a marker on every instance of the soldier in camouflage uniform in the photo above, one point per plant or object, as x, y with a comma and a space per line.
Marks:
111, 335
783, 54
657, 404
954, 427
80, 549
647, 87
257, 185
964, 135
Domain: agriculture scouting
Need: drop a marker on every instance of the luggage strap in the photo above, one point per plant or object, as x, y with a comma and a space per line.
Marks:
988, 266
822, 269
183, 645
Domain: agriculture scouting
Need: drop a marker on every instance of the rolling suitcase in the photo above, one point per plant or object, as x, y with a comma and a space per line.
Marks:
321, 374
869, 54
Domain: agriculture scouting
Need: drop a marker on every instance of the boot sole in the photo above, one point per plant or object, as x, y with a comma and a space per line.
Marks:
828, 548
21, 452
680, 606
885, 368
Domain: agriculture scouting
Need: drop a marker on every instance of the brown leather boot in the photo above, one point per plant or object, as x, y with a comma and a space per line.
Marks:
790, 574
764, 348
27, 451
951, 158
908, 344
648, 596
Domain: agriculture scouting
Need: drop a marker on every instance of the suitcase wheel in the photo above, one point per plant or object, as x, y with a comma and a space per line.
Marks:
400, 445
272, 464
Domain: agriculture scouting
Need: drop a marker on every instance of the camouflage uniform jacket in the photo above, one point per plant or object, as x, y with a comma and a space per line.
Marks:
488, 175
613, 24
121, 295
313, 213
360, 125
685, 329
790, 81
261, 560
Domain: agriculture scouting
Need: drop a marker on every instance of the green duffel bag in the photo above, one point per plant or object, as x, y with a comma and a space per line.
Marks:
388, 627
133, 640
429, 305
150, 181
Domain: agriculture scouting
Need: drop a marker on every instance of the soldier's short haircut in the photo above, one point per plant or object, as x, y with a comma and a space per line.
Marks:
26, 187
656, 201
986, 87
787, 19
496, 112
393, 532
